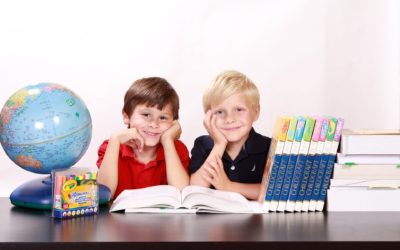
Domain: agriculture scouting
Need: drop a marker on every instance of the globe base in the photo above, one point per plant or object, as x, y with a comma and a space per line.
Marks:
37, 194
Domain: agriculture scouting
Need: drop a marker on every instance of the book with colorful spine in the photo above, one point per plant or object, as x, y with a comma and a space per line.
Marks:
291, 163
300, 164
339, 123
323, 164
273, 161
282, 166
308, 164
315, 165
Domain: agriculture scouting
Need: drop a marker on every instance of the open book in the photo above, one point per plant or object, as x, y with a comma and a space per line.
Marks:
192, 199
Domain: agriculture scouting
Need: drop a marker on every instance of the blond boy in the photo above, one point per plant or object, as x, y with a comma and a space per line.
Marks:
232, 156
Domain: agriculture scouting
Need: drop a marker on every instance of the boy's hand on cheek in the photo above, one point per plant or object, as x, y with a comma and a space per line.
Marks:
172, 133
210, 124
130, 137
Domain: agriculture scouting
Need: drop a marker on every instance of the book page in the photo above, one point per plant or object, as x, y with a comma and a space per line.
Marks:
215, 200
156, 196
161, 210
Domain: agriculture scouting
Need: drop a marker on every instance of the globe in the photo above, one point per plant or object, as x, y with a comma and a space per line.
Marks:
45, 127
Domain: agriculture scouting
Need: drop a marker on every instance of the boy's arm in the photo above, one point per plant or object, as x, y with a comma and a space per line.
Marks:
250, 191
176, 173
108, 172
220, 180
213, 174
197, 178
201, 176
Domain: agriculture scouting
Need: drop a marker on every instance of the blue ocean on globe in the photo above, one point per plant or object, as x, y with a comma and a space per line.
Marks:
45, 127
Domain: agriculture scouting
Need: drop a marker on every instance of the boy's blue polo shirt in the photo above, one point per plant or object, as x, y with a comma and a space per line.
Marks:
248, 167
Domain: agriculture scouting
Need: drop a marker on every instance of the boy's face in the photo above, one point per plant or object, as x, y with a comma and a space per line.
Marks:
150, 122
235, 117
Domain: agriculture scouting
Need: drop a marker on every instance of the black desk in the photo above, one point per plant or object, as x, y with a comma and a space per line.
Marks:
34, 229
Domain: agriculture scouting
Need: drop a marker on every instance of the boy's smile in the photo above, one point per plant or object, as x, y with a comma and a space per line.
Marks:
231, 129
151, 134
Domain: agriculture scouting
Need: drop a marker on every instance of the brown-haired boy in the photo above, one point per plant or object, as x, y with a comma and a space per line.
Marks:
147, 153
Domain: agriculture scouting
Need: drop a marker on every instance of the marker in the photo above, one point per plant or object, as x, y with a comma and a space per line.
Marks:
57, 191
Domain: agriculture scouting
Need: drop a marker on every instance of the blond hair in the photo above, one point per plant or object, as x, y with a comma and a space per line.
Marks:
229, 83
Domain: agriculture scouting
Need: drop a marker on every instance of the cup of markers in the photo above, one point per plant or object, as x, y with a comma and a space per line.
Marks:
75, 193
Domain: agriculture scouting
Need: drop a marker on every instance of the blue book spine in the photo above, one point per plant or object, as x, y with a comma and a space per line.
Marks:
288, 177
327, 177
319, 177
313, 175
272, 177
305, 178
297, 177
280, 177
334, 132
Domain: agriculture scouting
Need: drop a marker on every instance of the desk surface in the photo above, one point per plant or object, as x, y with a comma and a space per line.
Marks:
35, 229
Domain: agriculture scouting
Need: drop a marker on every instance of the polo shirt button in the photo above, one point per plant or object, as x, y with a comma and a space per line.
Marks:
233, 167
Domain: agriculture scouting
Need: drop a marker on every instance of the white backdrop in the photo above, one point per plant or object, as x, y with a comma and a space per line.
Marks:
334, 57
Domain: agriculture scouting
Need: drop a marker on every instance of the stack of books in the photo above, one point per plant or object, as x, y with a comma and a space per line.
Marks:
366, 176
300, 162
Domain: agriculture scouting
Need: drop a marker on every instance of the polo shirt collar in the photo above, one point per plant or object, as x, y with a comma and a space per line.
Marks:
253, 145
127, 151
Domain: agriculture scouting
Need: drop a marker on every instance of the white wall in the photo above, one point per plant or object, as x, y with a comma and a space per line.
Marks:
336, 57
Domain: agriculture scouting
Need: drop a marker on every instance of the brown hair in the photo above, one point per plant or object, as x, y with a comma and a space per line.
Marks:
152, 91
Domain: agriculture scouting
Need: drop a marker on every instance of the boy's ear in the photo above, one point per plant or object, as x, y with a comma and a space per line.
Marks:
256, 112
125, 118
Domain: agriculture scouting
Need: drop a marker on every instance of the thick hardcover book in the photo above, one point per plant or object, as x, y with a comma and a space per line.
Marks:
368, 171
300, 165
273, 161
368, 159
192, 199
308, 165
363, 199
282, 166
365, 184
309, 203
371, 142
331, 162
291, 164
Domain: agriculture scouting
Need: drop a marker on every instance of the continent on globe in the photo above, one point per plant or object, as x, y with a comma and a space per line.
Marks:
27, 161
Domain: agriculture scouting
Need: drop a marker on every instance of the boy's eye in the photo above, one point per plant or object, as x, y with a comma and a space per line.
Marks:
146, 114
163, 118
239, 109
219, 112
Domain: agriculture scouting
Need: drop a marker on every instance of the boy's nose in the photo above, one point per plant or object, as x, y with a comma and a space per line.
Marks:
229, 118
154, 123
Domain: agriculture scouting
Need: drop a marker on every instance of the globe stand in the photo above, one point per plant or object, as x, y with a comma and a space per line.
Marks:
37, 194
